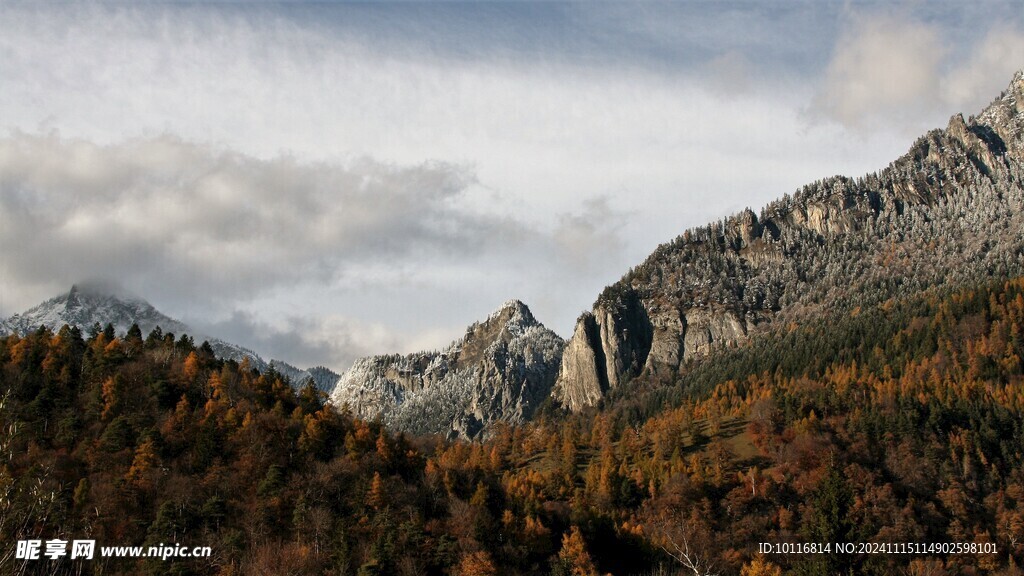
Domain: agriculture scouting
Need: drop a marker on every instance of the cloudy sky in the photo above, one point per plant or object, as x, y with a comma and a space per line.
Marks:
324, 181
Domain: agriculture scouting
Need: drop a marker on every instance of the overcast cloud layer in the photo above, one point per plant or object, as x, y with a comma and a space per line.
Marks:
319, 182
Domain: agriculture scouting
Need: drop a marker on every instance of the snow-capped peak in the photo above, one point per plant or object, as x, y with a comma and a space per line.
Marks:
89, 304
500, 370
86, 305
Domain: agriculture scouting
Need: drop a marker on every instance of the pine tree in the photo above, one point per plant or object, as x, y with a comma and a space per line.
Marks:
829, 523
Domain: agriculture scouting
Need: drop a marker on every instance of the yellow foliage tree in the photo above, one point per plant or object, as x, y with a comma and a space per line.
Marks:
145, 460
191, 366
112, 396
760, 567
574, 554
375, 497
476, 564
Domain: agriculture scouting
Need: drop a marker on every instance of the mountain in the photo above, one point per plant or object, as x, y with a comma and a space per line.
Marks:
87, 305
500, 370
323, 378
949, 212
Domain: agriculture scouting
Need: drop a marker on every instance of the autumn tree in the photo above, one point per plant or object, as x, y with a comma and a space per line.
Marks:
477, 563
574, 559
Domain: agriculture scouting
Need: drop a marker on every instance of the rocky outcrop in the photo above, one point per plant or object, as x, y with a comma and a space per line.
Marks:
949, 212
625, 333
707, 329
669, 327
1001, 124
583, 365
610, 347
501, 370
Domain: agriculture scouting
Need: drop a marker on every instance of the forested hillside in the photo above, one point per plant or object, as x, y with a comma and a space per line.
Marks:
899, 422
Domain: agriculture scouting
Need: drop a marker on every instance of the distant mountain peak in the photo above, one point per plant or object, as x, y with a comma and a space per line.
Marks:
513, 315
514, 305
500, 370
90, 303
104, 289
513, 311
73, 300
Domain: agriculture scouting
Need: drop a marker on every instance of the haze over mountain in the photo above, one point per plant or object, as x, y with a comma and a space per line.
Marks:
338, 182
836, 244
87, 305
384, 175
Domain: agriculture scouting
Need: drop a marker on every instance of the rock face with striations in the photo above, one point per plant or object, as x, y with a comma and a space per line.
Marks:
500, 371
949, 212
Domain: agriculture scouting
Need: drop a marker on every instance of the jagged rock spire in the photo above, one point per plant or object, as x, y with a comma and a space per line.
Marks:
500, 370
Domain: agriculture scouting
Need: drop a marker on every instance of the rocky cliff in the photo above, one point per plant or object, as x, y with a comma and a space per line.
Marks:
501, 370
948, 212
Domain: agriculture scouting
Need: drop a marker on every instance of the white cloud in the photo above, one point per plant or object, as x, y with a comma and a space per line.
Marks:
892, 69
590, 238
883, 65
168, 217
974, 81
305, 341
280, 250
256, 162
542, 132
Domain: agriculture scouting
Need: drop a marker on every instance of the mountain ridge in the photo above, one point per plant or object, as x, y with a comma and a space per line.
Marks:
837, 243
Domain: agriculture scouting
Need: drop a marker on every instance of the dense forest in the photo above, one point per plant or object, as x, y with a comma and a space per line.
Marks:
897, 423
